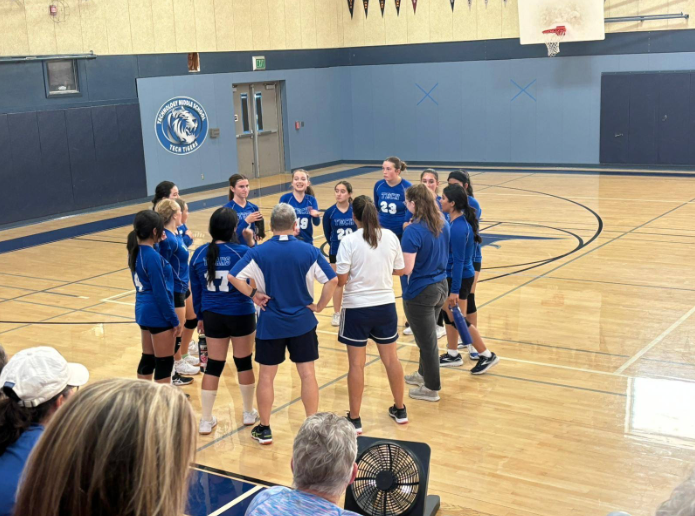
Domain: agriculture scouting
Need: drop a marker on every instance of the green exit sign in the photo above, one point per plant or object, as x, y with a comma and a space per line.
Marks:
258, 63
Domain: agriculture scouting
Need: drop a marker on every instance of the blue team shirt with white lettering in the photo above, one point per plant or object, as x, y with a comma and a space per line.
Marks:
478, 257
176, 253
154, 285
218, 296
390, 202
285, 268
461, 251
336, 225
243, 212
432, 256
302, 209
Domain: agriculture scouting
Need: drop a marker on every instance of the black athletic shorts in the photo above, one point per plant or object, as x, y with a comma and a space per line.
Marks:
466, 286
180, 298
304, 348
477, 266
154, 330
332, 258
219, 326
358, 325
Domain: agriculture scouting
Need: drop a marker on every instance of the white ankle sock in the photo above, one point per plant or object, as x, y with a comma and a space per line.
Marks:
452, 352
247, 396
207, 400
487, 353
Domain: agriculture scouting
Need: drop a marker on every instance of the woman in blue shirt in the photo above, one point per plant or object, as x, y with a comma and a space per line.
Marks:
183, 231
154, 298
249, 214
425, 245
338, 223
302, 199
389, 195
460, 277
224, 314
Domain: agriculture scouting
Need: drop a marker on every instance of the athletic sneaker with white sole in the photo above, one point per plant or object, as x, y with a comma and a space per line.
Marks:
335, 321
446, 360
423, 393
194, 361
185, 369
193, 348
250, 417
357, 423
262, 434
180, 381
485, 364
415, 379
472, 353
205, 427
408, 331
400, 415
441, 331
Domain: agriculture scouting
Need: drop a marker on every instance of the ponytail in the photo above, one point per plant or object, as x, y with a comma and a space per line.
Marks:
310, 191
457, 195
147, 224
211, 260
223, 224
133, 250
463, 177
366, 214
398, 164
162, 191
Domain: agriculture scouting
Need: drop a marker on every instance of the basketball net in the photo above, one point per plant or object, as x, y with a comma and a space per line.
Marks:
553, 37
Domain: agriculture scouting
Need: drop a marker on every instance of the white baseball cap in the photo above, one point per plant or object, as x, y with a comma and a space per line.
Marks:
36, 375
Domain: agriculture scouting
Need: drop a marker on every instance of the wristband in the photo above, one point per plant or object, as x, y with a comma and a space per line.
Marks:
253, 292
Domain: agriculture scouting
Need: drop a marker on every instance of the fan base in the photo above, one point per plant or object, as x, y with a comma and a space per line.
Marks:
432, 505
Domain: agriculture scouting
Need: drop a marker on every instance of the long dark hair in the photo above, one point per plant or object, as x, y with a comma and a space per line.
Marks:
464, 177
223, 224
457, 195
15, 419
146, 221
233, 180
162, 191
426, 209
365, 212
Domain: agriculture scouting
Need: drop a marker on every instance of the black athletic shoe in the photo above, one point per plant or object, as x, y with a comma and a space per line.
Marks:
181, 381
446, 360
399, 414
357, 423
485, 363
262, 434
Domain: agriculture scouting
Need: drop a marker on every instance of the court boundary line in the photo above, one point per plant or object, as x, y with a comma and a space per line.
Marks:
237, 500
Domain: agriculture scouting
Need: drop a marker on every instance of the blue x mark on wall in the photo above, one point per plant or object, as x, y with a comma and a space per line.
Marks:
523, 90
427, 94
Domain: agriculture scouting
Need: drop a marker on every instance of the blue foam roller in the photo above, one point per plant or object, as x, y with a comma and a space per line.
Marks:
461, 326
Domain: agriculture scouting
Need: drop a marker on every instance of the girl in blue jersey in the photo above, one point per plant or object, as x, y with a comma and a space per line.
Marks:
164, 190
176, 253
224, 313
338, 223
302, 199
249, 214
389, 195
183, 231
460, 277
154, 298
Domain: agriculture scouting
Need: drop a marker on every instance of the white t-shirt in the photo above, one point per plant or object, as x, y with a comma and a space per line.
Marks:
370, 282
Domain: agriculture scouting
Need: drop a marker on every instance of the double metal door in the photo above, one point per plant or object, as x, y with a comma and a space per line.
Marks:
258, 122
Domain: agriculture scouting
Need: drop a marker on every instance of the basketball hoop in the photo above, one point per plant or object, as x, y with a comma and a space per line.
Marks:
553, 37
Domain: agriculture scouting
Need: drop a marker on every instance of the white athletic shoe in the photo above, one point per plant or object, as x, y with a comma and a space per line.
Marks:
193, 348
206, 427
415, 379
250, 417
441, 331
408, 331
336, 319
194, 361
185, 369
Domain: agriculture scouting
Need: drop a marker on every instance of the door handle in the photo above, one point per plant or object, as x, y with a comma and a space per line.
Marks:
619, 135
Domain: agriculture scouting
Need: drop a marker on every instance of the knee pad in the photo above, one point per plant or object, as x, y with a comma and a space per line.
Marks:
146, 365
243, 364
215, 367
191, 324
163, 367
470, 307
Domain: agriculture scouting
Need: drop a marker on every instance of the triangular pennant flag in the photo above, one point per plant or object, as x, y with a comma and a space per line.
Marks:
398, 7
452, 4
382, 4
366, 7
414, 6
351, 6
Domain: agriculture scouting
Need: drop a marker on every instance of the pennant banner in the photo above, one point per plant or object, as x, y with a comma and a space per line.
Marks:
366, 7
382, 4
414, 6
351, 6
452, 4
398, 7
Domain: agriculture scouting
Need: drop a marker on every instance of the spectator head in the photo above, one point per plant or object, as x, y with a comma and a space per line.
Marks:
682, 501
323, 459
118, 447
283, 218
3, 358
35, 383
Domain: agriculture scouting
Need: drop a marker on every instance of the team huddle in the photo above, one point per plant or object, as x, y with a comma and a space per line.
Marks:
253, 292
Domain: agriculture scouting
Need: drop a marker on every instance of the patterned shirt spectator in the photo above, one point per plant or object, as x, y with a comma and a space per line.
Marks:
282, 500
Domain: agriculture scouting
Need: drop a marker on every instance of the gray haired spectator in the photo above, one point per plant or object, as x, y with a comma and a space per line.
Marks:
682, 501
323, 464
3, 358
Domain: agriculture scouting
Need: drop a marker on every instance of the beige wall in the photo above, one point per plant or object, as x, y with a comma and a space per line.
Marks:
163, 26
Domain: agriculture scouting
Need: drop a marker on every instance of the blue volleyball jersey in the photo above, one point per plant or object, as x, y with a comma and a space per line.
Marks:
176, 253
478, 256
243, 212
154, 285
219, 296
336, 225
285, 268
187, 241
461, 252
409, 216
432, 256
302, 209
390, 202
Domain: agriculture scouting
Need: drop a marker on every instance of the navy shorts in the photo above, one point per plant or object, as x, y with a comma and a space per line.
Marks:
154, 330
218, 326
477, 266
180, 298
304, 348
358, 325
332, 258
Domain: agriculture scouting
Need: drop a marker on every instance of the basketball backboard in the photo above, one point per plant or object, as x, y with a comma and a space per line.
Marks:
582, 19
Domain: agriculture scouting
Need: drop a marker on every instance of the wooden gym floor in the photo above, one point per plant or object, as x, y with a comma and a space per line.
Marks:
587, 295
